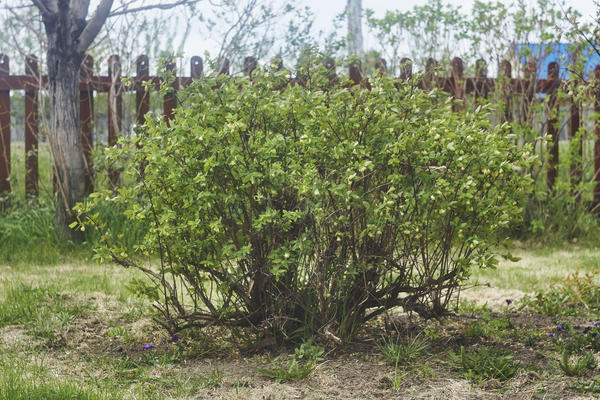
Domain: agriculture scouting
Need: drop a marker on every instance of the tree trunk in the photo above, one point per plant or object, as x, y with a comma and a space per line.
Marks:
65, 138
355, 38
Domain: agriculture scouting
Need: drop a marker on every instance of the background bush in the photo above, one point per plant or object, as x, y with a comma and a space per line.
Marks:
311, 208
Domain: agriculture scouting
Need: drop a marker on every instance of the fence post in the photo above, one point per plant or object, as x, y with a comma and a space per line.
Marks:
480, 83
196, 67
430, 79
381, 66
405, 68
574, 125
249, 65
4, 129
142, 97
506, 83
115, 108
457, 84
597, 141
355, 72
551, 123
86, 117
31, 129
329, 64
530, 77
170, 98
224, 67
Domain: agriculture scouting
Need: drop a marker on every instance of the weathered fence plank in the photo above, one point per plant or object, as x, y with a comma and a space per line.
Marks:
170, 98
31, 130
406, 68
250, 65
597, 136
115, 109
196, 67
457, 84
142, 96
552, 112
4, 129
481, 88
86, 118
574, 125
505, 72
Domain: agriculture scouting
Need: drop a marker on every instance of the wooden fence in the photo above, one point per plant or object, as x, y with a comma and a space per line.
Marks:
480, 86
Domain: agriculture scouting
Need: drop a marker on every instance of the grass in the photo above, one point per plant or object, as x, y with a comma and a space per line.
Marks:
23, 380
51, 311
397, 353
538, 268
17, 164
485, 363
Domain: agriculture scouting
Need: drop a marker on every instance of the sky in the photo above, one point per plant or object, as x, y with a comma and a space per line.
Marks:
326, 10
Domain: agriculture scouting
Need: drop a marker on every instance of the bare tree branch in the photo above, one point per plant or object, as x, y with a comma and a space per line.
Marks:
168, 6
94, 25
41, 38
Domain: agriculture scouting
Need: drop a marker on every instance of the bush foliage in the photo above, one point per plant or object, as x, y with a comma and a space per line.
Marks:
311, 207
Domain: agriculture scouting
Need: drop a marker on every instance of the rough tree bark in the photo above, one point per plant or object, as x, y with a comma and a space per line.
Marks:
69, 34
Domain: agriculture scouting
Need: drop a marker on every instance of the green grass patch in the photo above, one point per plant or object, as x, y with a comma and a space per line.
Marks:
20, 380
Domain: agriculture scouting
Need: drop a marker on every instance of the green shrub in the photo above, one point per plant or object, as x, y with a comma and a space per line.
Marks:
305, 208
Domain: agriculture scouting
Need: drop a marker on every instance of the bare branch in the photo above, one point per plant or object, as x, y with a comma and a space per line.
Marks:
94, 25
153, 7
41, 38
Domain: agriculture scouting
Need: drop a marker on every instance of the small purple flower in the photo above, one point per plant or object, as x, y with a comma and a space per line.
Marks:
508, 302
560, 328
551, 334
163, 341
148, 347
119, 350
596, 323
586, 330
174, 338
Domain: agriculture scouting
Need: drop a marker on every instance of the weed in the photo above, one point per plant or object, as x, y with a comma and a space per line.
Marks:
489, 328
468, 306
396, 353
577, 366
485, 363
575, 296
300, 365
588, 385
122, 333
401, 355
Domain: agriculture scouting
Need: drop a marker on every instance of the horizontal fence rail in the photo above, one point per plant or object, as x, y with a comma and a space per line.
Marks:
114, 84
